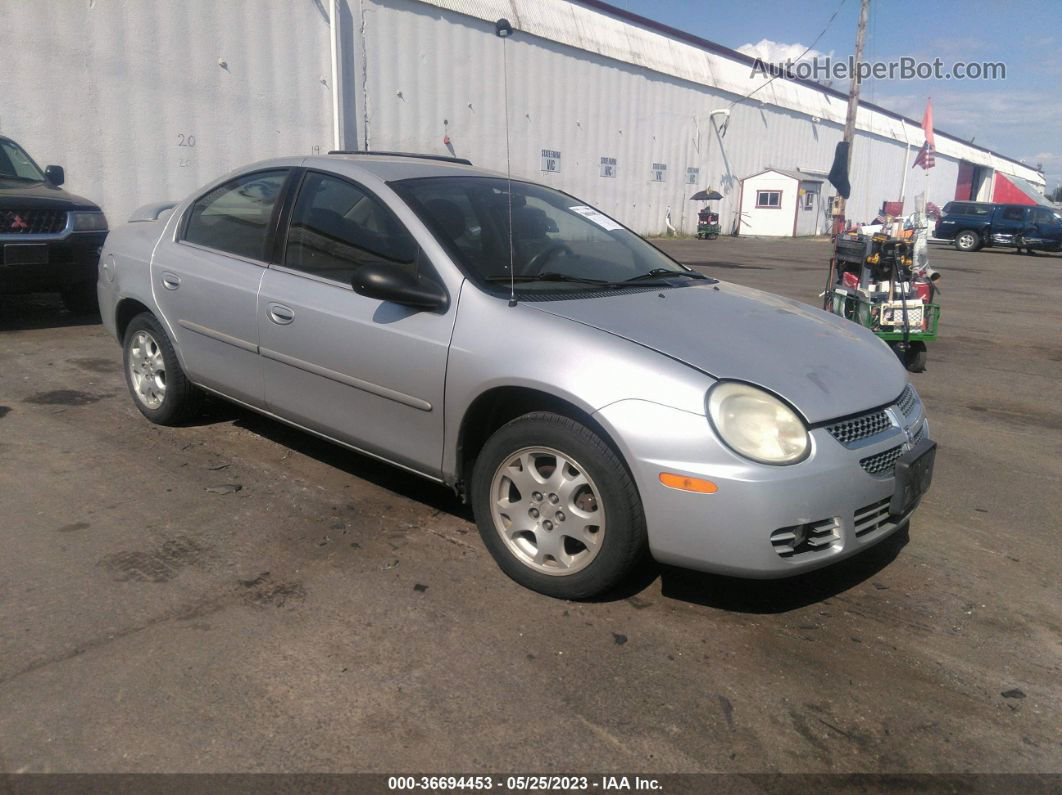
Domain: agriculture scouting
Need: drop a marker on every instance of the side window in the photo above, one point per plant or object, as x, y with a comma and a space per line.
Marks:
769, 198
337, 227
1014, 214
235, 217
1042, 216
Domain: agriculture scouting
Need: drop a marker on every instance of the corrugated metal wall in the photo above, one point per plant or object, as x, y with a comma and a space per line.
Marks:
432, 72
144, 101
117, 91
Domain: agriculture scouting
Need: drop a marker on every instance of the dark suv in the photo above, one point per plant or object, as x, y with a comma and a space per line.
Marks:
50, 240
972, 225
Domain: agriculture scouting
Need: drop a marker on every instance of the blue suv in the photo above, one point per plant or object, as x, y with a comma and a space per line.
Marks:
974, 225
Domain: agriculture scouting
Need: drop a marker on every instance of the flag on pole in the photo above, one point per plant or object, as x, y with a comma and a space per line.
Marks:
926, 158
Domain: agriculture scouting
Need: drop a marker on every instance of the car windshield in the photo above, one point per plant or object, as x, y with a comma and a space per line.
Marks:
16, 164
558, 243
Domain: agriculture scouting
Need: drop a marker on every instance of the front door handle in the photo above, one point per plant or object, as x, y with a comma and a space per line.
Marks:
171, 281
280, 314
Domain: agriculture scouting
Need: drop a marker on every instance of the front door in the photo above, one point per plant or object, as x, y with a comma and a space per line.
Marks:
206, 282
367, 372
1045, 230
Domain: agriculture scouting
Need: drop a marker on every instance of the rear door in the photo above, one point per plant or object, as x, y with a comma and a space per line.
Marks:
206, 281
364, 371
1008, 222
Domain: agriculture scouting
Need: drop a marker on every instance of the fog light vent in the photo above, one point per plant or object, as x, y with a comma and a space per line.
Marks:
804, 539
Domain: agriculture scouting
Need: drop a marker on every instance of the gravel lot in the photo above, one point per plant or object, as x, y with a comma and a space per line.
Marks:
237, 596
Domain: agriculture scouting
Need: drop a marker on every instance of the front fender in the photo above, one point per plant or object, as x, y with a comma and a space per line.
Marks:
495, 345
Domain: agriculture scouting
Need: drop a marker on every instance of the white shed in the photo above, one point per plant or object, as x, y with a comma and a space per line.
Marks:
781, 203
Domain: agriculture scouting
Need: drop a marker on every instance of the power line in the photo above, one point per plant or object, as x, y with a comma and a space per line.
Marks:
806, 51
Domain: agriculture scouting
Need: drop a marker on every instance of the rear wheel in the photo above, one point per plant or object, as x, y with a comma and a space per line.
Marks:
967, 240
915, 359
154, 376
80, 299
557, 508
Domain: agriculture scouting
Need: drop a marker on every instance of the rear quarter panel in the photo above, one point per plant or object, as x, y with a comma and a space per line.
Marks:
125, 268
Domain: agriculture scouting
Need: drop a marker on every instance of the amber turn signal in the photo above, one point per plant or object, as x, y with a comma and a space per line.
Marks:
686, 483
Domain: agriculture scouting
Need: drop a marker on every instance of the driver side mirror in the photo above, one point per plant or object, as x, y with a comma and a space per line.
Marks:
55, 175
387, 282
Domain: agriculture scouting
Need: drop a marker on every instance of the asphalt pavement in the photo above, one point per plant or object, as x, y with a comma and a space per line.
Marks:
236, 596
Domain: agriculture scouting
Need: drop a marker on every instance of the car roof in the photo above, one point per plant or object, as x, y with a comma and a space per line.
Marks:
391, 167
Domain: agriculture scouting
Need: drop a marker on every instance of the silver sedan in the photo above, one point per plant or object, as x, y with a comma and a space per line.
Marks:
594, 400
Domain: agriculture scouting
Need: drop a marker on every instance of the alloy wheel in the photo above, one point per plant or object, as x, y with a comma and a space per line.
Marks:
147, 370
548, 511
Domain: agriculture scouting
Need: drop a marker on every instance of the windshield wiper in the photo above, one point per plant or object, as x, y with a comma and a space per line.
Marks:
20, 178
550, 276
657, 273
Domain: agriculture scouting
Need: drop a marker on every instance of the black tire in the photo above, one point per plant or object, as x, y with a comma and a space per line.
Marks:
624, 545
915, 361
967, 240
181, 399
81, 299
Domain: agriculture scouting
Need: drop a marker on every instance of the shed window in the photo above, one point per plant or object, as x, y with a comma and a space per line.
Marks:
769, 198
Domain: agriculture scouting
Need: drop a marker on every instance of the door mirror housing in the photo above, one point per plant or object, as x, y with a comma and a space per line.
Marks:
393, 283
55, 175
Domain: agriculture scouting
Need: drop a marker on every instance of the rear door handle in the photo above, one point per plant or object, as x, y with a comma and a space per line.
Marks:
171, 281
280, 314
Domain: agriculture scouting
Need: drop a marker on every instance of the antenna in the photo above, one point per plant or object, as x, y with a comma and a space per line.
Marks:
504, 30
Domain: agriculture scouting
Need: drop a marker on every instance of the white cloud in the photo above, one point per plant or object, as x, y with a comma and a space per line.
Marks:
775, 52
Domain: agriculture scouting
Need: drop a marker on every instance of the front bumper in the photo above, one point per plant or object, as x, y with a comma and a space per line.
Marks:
746, 528
72, 260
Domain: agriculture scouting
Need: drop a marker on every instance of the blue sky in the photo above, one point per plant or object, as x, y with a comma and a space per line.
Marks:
1020, 117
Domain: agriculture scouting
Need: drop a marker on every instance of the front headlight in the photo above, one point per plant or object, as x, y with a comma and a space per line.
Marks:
92, 221
756, 424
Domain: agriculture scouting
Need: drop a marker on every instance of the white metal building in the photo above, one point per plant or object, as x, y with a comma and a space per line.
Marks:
144, 100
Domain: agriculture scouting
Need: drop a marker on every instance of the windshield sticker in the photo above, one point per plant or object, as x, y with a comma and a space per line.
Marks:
600, 219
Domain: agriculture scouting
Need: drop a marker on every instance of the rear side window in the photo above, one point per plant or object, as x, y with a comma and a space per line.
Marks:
1014, 214
964, 208
337, 226
237, 217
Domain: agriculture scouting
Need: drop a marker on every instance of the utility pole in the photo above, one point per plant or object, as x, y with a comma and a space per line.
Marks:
853, 107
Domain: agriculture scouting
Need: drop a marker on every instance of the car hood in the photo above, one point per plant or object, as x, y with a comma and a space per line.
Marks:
18, 195
825, 366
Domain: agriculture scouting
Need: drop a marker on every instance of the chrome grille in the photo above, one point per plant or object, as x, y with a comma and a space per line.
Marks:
849, 431
882, 463
32, 222
907, 402
852, 430
806, 538
916, 437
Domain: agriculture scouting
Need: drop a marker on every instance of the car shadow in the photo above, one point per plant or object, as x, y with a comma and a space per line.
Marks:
40, 311
358, 465
741, 595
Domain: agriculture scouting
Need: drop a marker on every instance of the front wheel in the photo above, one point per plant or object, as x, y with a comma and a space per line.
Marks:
154, 376
967, 240
557, 508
